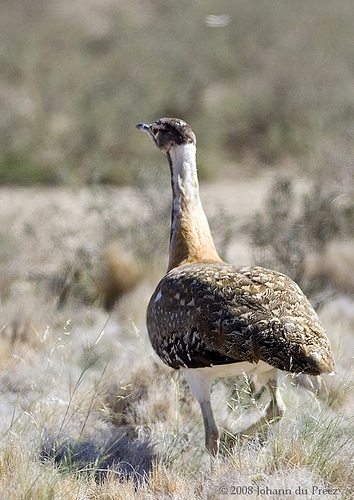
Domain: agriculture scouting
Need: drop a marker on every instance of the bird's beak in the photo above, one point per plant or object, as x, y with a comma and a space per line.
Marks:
145, 127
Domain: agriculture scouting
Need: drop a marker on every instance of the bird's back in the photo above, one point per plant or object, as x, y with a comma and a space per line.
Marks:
211, 313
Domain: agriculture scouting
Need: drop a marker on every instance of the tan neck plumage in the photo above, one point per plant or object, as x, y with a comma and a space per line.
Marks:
191, 240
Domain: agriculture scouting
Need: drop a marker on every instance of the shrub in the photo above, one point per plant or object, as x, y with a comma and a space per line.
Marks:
289, 231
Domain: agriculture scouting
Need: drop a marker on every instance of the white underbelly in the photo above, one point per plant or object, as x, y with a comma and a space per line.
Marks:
199, 379
235, 369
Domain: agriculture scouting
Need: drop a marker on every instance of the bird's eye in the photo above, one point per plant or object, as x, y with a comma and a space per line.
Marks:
154, 129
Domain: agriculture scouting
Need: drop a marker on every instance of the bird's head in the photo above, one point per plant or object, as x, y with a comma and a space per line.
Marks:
168, 133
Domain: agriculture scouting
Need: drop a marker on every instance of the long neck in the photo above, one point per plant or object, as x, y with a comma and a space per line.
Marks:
191, 240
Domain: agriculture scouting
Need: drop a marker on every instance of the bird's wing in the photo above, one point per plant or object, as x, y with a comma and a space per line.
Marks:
201, 315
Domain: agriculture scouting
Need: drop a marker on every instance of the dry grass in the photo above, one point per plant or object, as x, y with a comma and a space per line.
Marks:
82, 386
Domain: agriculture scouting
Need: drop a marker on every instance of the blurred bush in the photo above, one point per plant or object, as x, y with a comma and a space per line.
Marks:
297, 234
272, 82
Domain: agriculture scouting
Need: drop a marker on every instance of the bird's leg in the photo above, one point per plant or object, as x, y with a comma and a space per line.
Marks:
211, 431
200, 385
276, 408
273, 413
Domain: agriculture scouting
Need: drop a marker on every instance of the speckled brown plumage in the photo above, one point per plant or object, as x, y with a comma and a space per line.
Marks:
214, 313
212, 319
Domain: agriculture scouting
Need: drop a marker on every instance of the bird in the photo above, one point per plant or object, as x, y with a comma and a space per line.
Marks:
210, 319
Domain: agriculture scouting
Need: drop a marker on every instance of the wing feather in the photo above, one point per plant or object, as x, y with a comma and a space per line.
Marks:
214, 313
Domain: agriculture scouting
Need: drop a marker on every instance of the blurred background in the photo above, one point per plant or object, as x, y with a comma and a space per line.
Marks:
265, 82
268, 88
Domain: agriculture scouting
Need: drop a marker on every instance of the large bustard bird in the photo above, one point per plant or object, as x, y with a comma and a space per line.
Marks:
211, 319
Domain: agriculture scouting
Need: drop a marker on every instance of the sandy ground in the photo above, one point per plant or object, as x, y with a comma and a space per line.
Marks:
77, 214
